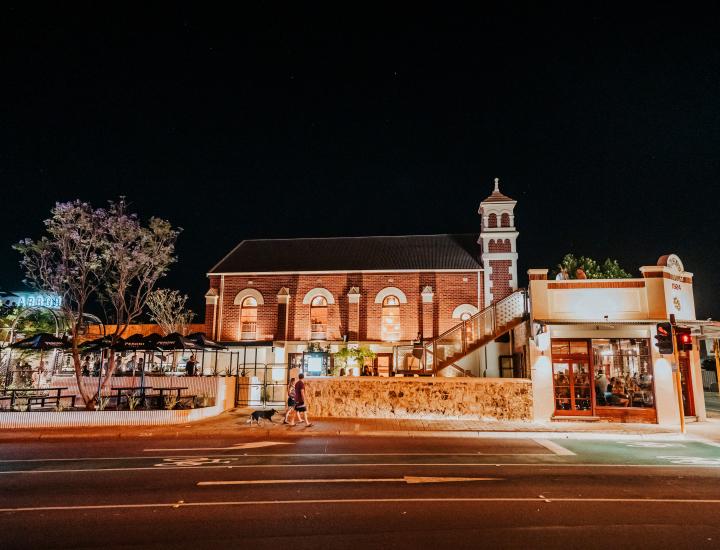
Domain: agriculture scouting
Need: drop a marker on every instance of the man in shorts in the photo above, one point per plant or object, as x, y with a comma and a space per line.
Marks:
301, 401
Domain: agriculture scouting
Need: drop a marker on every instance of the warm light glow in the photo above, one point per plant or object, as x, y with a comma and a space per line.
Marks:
542, 341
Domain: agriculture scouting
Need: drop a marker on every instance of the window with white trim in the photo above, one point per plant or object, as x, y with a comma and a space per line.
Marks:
390, 321
318, 318
248, 319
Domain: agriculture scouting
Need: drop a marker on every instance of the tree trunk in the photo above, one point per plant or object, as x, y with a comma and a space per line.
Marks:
87, 398
110, 371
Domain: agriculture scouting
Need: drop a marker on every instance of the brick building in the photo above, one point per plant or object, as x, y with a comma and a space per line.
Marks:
297, 301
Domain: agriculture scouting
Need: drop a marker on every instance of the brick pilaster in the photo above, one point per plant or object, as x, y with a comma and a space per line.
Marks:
428, 328
353, 314
283, 304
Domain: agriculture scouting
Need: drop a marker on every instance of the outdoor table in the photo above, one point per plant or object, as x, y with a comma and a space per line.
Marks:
35, 393
119, 392
161, 392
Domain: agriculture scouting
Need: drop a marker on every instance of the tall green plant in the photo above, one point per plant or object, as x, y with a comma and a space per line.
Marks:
609, 269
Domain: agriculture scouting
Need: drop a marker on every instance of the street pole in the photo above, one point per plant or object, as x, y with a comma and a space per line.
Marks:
678, 379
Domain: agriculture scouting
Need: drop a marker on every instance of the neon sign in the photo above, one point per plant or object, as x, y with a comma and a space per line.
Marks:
33, 299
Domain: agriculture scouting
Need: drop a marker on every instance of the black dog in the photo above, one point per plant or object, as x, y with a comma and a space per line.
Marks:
257, 415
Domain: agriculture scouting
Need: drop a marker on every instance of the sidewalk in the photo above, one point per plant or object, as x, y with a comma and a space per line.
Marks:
234, 423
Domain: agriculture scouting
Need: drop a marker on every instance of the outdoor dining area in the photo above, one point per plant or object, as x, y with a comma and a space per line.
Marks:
148, 372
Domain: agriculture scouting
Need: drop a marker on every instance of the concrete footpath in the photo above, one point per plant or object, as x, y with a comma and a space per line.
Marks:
234, 424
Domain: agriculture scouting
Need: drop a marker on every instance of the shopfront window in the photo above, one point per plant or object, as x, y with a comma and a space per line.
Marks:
623, 373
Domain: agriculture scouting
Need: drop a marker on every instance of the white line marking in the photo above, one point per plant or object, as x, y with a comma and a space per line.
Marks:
354, 465
404, 479
359, 501
237, 446
554, 447
245, 455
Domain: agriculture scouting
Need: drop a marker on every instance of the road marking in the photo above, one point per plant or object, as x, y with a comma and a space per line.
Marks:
180, 504
692, 460
554, 447
405, 479
650, 444
548, 465
237, 446
245, 455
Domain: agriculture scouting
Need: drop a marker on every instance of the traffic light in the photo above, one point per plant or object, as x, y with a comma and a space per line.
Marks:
663, 338
683, 338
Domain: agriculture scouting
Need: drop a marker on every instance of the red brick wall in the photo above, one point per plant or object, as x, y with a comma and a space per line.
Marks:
499, 245
500, 278
450, 290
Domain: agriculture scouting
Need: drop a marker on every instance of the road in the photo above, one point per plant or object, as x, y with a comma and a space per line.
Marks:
359, 492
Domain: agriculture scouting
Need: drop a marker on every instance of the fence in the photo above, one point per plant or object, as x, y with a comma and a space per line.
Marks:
262, 386
710, 380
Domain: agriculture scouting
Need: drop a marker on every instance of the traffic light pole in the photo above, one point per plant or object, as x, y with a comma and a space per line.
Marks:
678, 379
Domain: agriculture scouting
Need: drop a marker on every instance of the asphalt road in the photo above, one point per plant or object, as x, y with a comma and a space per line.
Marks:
359, 492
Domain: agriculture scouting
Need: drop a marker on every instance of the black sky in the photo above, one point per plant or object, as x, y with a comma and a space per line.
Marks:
274, 123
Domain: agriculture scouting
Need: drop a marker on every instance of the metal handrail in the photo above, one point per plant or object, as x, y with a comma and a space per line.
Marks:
430, 347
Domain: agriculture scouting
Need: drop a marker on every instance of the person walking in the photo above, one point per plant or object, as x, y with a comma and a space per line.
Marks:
301, 401
290, 400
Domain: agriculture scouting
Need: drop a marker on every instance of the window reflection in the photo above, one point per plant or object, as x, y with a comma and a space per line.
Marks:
623, 373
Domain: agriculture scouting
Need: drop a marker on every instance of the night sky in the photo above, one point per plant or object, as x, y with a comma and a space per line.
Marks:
275, 122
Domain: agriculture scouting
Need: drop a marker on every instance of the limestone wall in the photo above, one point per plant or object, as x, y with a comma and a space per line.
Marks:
426, 398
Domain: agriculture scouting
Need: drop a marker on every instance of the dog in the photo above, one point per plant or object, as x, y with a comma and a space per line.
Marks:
257, 415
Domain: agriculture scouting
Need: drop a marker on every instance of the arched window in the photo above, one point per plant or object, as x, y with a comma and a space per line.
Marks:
248, 319
492, 220
390, 325
505, 220
318, 318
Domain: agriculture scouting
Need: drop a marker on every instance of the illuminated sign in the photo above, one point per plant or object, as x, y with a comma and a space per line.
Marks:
33, 299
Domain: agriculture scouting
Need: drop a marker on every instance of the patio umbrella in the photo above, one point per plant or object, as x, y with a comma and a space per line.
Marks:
103, 343
141, 343
201, 340
42, 342
176, 341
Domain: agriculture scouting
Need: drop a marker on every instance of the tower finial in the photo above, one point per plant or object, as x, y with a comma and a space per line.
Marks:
497, 185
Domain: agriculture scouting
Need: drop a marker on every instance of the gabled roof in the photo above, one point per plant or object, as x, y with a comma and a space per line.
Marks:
411, 252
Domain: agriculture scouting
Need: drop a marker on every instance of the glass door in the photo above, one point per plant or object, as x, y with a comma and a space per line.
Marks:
572, 383
572, 388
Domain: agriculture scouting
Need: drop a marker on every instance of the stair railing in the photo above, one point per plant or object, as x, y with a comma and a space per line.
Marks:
487, 324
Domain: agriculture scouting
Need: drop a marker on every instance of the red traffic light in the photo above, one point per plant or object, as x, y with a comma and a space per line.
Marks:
683, 338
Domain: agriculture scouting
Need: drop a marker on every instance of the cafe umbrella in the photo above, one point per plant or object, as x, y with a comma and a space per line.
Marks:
176, 341
42, 342
203, 341
138, 342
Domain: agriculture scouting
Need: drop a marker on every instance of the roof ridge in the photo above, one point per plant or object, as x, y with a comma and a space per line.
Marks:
354, 237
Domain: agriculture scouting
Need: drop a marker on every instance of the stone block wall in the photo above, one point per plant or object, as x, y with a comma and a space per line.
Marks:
421, 398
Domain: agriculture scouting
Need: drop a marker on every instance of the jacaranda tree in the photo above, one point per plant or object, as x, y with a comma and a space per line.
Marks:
102, 254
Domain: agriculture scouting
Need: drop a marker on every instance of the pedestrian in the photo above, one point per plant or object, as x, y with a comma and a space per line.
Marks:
131, 365
290, 400
190, 366
86, 366
301, 401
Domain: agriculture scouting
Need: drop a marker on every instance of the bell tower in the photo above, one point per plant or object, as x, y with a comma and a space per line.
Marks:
498, 248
